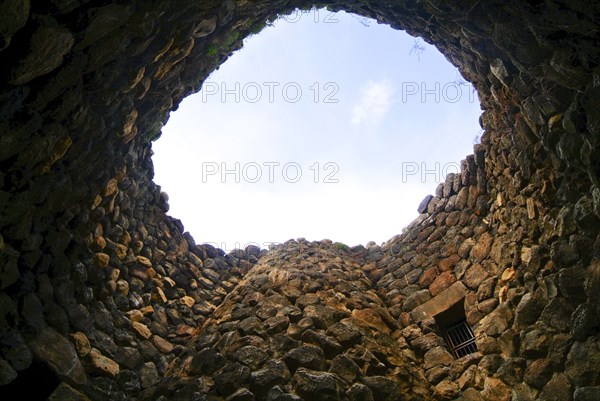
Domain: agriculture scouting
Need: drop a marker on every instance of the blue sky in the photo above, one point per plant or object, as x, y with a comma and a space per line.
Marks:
323, 126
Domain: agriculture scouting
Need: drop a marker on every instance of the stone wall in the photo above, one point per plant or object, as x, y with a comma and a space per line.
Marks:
103, 296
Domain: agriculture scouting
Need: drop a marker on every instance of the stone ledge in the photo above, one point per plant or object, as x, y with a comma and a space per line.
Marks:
440, 303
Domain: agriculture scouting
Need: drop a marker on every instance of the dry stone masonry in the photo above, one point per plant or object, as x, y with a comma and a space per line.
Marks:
492, 294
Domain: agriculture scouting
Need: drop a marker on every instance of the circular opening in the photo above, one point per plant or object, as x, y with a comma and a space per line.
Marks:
326, 125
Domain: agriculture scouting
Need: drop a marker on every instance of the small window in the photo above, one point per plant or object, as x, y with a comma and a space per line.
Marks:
455, 330
460, 339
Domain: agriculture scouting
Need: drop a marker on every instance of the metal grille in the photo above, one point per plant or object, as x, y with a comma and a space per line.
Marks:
460, 339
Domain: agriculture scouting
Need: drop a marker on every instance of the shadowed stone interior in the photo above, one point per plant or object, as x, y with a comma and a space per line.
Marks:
107, 297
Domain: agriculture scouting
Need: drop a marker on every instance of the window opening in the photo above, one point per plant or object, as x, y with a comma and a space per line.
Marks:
455, 330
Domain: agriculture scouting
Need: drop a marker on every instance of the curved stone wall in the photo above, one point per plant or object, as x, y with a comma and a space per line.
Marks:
103, 296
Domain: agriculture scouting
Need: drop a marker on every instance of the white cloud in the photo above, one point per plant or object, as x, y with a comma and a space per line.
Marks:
374, 103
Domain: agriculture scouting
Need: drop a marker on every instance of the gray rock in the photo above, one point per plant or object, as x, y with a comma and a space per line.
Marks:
383, 388
306, 356
15, 350
512, 370
538, 373
587, 394
277, 394
7, 373
559, 388
242, 394
47, 46
206, 362
345, 368
149, 375
346, 335
438, 356
582, 362
424, 203
359, 392
58, 353
13, 15
529, 309
64, 392
274, 372
251, 356
317, 386
231, 377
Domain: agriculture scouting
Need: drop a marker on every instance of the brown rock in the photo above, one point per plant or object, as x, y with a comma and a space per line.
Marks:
122, 287
101, 260
81, 343
482, 249
144, 261
495, 390
446, 390
103, 365
135, 315
559, 388
111, 188
443, 281
471, 378
538, 373
162, 345
187, 301
437, 356
58, 353
427, 277
159, 296
475, 275
448, 263
508, 275
64, 392
142, 330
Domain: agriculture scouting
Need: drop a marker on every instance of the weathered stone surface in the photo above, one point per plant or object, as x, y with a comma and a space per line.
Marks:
242, 394
359, 392
206, 362
437, 356
383, 388
559, 388
58, 353
316, 386
446, 390
102, 364
142, 330
81, 343
582, 362
64, 392
231, 377
251, 356
345, 368
48, 44
274, 372
149, 375
538, 373
495, 389
442, 302
586, 394
475, 275
162, 345
307, 356
483, 246
7, 373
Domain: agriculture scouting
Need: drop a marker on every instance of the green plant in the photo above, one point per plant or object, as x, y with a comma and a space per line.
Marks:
212, 51
231, 39
342, 247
